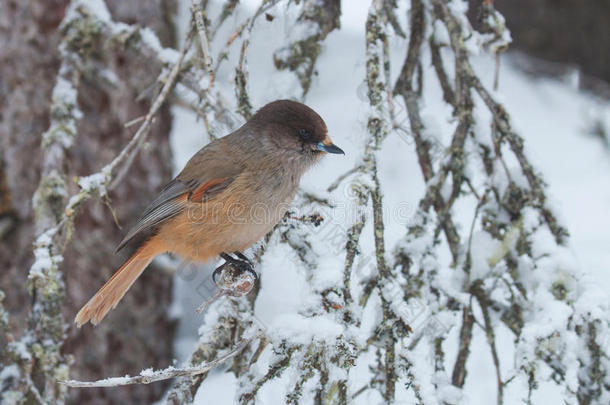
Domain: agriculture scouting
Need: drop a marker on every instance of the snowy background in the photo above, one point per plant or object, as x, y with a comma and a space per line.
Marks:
556, 120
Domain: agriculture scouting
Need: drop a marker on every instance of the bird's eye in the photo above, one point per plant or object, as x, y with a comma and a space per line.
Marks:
305, 134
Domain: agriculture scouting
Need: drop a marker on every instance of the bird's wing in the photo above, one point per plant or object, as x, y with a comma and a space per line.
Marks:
208, 172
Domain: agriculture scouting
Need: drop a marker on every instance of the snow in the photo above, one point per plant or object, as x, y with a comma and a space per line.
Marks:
301, 329
446, 392
64, 92
302, 30
20, 349
11, 371
43, 260
487, 252
95, 182
220, 389
167, 55
98, 7
555, 121
64, 112
98, 10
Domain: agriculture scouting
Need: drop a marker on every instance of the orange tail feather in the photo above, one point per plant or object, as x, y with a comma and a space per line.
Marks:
115, 288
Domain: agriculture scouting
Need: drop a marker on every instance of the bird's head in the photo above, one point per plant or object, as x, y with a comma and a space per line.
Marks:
295, 129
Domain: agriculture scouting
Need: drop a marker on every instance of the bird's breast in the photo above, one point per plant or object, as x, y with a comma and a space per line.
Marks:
235, 219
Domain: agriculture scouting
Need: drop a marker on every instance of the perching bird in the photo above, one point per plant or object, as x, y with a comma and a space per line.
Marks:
227, 197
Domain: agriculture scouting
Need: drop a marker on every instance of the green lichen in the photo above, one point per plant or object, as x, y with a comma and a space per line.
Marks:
80, 35
49, 197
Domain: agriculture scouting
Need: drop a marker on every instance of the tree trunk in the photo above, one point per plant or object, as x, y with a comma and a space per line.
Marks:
29, 63
481, 264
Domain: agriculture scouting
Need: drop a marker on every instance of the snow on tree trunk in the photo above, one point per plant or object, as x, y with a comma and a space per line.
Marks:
37, 127
380, 316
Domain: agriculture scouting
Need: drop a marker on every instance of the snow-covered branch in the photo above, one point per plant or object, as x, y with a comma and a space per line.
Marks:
315, 21
38, 352
98, 184
149, 375
383, 312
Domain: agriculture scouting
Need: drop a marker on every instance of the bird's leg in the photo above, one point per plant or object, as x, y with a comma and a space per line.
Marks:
240, 261
229, 259
242, 257
234, 277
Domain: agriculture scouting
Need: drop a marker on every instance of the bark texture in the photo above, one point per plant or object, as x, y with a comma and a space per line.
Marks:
29, 63
435, 278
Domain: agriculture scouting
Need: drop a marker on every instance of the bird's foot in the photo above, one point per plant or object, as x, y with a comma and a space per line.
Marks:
243, 257
236, 276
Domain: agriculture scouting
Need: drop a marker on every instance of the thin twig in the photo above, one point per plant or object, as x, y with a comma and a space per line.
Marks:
479, 293
459, 369
205, 304
134, 121
203, 37
128, 153
147, 377
345, 175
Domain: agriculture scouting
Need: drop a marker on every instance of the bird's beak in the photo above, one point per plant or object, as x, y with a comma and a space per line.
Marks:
330, 148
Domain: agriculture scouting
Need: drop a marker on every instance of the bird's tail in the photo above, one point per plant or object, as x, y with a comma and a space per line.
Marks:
111, 293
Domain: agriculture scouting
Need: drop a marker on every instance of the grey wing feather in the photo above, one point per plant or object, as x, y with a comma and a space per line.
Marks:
163, 207
173, 189
216, 160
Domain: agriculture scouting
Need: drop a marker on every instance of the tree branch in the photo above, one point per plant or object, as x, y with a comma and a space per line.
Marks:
149, 376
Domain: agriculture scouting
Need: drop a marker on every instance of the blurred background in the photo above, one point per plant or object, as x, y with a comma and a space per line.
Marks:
570, 34
565, 41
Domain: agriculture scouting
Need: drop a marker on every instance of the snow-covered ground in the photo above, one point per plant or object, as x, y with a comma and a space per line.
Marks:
554, 118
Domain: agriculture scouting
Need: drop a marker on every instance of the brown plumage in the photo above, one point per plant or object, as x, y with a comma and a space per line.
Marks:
227, 197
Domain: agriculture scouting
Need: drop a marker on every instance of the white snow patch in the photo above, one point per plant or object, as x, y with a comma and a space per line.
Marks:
305, 329
167, 55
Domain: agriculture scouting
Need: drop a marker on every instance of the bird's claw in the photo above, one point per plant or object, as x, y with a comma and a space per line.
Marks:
235, 277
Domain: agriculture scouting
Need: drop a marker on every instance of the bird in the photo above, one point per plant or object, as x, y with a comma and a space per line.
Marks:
230, 194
